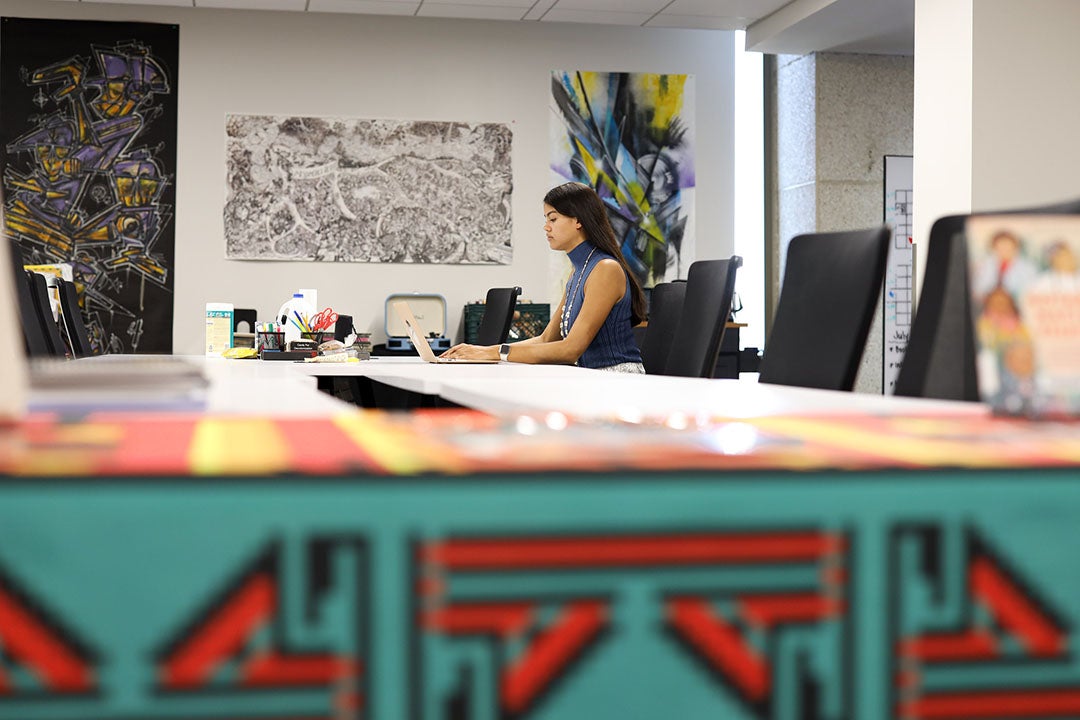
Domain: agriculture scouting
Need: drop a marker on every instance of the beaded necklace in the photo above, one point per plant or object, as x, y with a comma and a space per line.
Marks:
564, 325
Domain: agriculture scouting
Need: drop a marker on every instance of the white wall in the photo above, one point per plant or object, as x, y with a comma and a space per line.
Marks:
942, 137
996, 103
370, 66
1025, 103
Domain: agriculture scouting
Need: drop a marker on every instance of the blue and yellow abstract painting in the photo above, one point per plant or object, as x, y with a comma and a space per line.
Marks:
630, 136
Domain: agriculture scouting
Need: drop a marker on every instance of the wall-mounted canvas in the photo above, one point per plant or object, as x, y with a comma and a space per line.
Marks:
377, 191
630, 136
88, 126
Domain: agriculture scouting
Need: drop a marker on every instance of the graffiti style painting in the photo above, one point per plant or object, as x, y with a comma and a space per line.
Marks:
382, 191
630, 136
88, 124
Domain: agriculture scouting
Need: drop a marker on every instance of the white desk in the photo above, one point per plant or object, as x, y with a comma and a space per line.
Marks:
288, 389
415, 375
607, 396
234, 387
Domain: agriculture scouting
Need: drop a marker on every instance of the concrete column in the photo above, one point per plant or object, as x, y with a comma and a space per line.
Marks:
838, 115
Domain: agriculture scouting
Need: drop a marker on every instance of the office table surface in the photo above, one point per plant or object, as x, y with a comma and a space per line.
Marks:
415, 375
226, 388
617, 396
516, 388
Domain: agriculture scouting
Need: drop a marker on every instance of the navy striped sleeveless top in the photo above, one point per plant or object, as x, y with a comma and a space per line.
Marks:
614, 342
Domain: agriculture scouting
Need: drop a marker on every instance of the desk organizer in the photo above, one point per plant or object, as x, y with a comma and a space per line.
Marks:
430, 313
291, 355
270, 340
315, 336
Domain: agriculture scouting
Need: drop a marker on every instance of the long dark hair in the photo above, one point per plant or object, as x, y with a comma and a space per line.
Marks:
581, 202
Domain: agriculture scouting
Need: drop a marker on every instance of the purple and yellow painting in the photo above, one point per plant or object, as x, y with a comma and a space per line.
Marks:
630, 136
88, 129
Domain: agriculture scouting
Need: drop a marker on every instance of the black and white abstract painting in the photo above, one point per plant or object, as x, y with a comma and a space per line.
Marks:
378, 191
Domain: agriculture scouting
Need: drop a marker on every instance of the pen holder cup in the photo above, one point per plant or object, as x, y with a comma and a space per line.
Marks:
271, 340
317, 337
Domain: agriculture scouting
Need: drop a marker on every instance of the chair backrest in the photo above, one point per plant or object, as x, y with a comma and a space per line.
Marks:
831, 288
498, 316
939, 361
343, 328
710, 285
78, 338
665, 309
33, 332
39, 294
940, 358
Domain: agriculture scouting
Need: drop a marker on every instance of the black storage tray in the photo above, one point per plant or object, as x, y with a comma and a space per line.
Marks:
287, 354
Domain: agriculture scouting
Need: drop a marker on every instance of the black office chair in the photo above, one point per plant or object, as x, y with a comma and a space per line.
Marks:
33, 333
665, 309
939, 361
831, 288
39, 295
71, 315
710, 285
498, 316
343, 327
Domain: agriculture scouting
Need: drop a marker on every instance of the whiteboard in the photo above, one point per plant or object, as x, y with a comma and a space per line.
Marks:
898, 301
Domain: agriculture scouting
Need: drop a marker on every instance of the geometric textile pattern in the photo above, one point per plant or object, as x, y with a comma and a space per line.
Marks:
988, 644
242, 640
39, 657
536, 641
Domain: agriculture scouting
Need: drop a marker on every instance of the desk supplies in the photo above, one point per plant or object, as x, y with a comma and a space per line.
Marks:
219, 327
315, 338
269, 336
293, 316
289, 355
323, 320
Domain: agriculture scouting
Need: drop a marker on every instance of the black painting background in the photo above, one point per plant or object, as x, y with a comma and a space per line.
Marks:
29, 44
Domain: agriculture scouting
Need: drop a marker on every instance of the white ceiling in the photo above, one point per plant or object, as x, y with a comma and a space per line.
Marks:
773, 26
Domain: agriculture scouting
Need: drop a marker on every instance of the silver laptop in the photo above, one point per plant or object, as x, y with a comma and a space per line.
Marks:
419, 341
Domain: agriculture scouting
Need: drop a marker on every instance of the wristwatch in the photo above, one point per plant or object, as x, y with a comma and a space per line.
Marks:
504, 352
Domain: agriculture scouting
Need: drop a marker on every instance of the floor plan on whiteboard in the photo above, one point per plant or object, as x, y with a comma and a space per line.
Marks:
899, 274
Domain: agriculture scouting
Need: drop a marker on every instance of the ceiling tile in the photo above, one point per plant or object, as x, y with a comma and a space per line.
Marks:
538, 9
557, 14
473, 12
752, 9
371, 7
173, 3
253, 4
522, 5
697, 22
613, 6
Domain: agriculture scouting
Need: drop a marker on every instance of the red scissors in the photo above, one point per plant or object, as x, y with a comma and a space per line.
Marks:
322, 320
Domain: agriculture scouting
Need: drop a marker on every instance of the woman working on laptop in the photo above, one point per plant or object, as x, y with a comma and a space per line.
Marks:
602, 302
